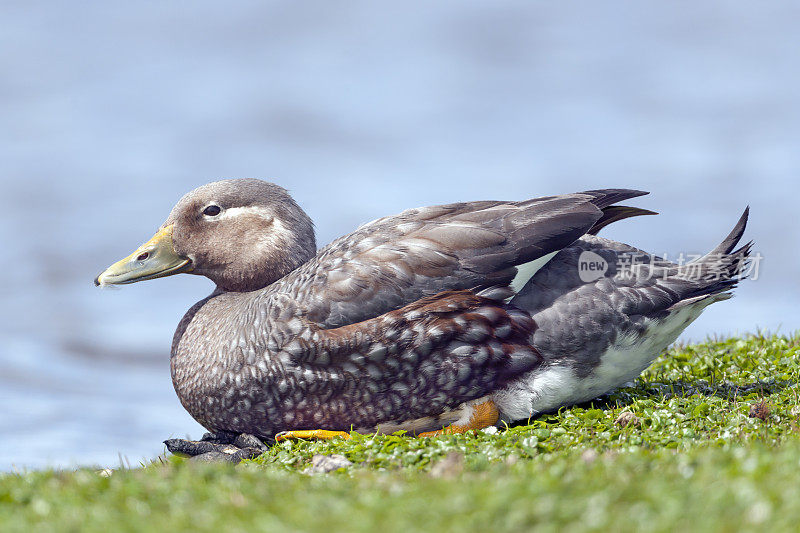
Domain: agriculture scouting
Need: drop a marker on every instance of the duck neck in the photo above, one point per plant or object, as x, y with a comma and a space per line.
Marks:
255, 271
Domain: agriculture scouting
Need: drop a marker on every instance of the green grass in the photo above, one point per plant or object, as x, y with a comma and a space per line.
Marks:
695, 460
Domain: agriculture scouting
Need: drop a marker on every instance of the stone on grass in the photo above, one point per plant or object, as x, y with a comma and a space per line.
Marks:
322, 464
759, 410
626, 418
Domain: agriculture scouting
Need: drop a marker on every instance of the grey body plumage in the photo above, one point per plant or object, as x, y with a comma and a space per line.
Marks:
595, 336
637, 287
407, 318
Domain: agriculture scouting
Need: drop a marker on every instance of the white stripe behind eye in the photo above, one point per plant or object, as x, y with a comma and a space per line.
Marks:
257, 210
277, 234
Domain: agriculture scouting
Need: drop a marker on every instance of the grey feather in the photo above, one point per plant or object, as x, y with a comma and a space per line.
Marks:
616, 213
579, 321
451, 247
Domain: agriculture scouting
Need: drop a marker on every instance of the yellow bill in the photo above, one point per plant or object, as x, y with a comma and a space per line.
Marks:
154, 259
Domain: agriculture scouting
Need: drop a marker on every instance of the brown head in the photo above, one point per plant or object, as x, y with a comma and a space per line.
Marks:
242, 234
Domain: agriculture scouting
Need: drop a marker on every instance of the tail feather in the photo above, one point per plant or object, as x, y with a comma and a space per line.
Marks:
733, 238
722, 268
615, 213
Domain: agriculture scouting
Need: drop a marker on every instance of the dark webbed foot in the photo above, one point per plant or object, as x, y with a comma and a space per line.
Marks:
220, 437
218, 447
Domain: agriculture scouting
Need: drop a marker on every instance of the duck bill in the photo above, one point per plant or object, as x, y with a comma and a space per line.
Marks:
154, 259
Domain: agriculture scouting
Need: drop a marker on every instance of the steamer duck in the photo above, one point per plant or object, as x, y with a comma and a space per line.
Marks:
437, 320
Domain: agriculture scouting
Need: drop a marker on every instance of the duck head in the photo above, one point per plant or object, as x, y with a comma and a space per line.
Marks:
242, 234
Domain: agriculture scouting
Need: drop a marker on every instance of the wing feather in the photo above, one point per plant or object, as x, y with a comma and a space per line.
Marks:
396, 260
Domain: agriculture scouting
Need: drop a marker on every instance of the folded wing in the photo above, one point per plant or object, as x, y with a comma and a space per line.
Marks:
394, 261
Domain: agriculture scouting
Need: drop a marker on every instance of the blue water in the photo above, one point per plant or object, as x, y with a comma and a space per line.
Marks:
109, 113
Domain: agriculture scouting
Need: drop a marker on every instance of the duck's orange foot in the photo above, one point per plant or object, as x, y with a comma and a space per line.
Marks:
483, 415
316, 434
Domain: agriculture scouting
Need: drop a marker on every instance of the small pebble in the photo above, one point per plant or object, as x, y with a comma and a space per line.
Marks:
759, 410
626, 418
322, 464
491, 430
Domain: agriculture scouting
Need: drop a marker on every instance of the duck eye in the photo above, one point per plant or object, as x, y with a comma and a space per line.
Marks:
212, 210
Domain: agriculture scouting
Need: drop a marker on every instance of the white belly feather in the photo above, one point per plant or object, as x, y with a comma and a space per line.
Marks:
555, 385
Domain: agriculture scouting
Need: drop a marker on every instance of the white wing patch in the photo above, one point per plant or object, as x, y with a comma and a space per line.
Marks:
526, 271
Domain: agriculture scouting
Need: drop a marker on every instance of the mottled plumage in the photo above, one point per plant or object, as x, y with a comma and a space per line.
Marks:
272, 370
410, 320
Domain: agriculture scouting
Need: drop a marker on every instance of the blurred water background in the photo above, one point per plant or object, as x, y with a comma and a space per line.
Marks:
110, 111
